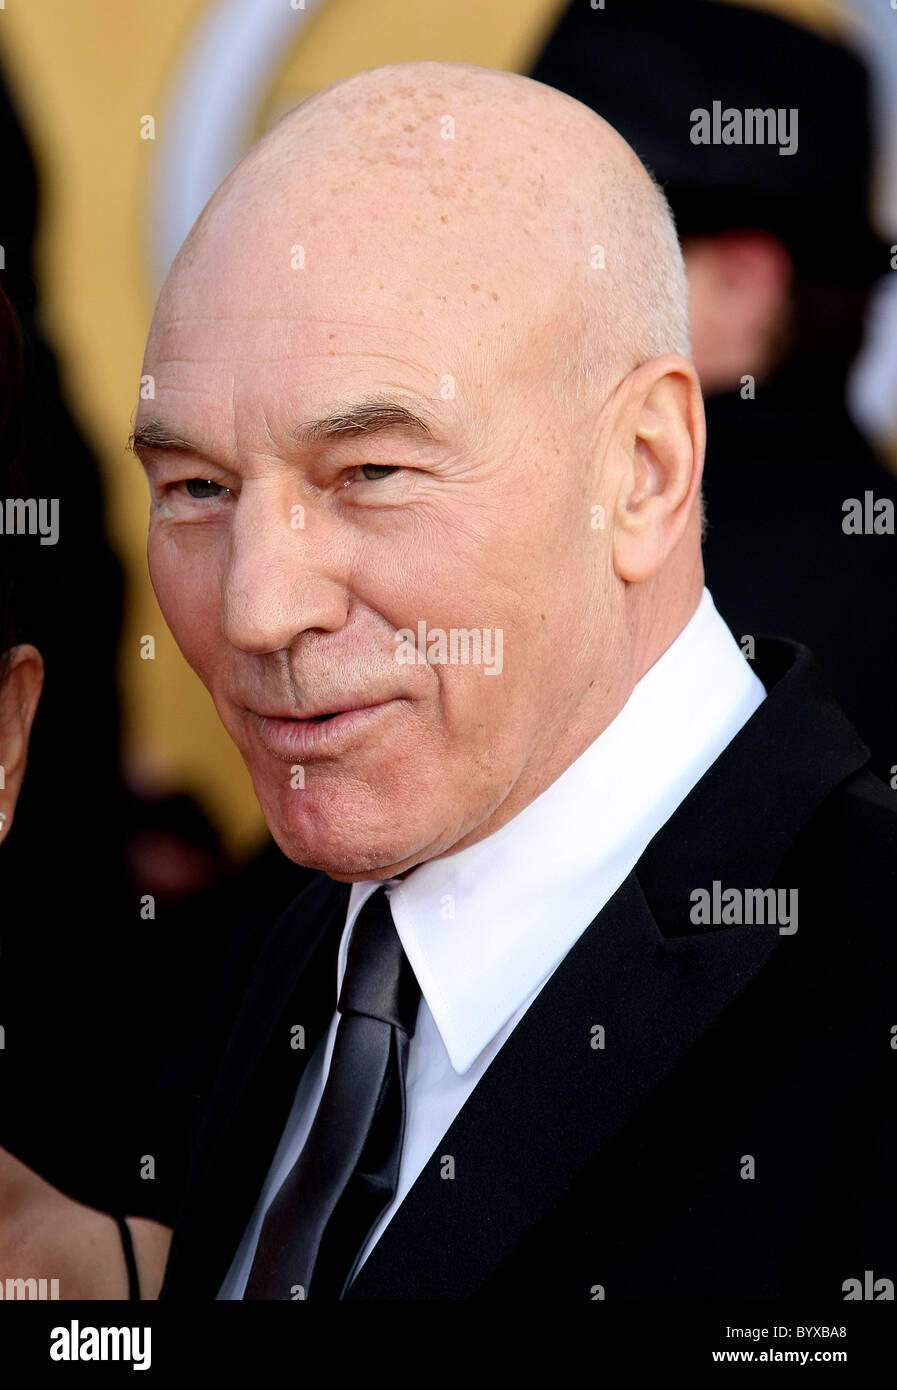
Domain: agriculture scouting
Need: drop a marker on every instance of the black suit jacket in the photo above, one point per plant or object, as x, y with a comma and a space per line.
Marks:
734, 1135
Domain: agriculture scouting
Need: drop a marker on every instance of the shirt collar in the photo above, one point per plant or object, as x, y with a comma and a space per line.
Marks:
485, 927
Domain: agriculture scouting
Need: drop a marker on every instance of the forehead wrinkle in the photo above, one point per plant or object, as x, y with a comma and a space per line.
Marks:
259, 326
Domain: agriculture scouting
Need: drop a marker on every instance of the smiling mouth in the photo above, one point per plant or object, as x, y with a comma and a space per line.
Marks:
290, 738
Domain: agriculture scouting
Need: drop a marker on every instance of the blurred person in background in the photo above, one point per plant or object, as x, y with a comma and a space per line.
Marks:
61, 994
781, 258
45, 1234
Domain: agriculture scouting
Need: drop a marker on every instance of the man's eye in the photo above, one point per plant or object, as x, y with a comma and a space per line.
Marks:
372, 471
203, 488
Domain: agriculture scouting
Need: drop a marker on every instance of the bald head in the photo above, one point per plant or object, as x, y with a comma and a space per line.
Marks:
518, 206
422, 416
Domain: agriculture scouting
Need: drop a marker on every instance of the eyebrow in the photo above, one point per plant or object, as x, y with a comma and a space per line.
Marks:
366, 417
153, 434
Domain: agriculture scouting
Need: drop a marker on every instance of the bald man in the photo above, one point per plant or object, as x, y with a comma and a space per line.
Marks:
587, 995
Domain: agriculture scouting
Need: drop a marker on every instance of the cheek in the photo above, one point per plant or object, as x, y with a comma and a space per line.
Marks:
186, 587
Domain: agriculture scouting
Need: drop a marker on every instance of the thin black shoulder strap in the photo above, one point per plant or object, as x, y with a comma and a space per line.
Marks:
128, 1244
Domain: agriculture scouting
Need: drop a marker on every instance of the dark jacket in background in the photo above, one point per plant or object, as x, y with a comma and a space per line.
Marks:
777, 558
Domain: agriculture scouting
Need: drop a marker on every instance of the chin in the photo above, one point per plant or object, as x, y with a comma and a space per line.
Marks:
334, 856
347, 842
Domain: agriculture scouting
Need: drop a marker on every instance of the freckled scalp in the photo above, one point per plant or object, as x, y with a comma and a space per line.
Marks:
532, 195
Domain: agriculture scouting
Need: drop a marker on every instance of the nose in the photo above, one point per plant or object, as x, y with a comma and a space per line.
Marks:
281, 577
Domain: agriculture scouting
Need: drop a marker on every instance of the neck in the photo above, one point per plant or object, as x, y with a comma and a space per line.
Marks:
658, 620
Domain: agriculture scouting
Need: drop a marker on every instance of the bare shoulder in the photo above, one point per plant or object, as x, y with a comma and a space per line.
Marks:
46, 1235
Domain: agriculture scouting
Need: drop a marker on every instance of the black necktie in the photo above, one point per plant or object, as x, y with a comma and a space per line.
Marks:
346, 1174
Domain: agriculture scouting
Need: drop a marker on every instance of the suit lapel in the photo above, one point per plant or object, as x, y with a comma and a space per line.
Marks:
739, 822
550, 1101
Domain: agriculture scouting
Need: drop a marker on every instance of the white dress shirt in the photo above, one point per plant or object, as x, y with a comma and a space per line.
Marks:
485, 928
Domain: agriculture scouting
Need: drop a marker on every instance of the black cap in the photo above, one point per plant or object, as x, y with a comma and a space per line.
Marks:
651, 67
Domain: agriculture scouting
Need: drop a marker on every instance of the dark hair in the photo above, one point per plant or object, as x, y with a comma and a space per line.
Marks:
11, 485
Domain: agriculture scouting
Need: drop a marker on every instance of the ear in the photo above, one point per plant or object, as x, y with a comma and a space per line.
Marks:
19, 694
661, 446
